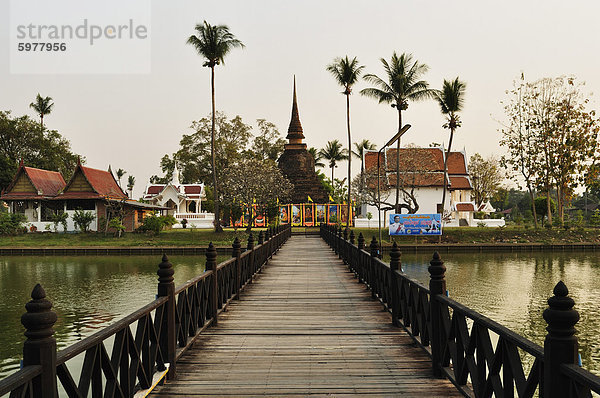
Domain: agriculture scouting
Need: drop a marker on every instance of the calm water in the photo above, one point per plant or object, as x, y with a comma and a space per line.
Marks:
90, 293
512, 289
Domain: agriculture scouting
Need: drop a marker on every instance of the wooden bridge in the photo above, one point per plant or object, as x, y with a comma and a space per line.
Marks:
289, 316
305, 326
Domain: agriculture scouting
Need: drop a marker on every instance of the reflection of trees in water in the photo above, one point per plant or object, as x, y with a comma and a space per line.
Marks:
87, 292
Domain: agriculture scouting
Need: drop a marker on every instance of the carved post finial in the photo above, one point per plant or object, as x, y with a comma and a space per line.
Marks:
237, 246
437, 286
395, 258
361, 241
40, 346
261, 238
250, 241
345, 233
561, 345
165, 273
352, 237
374, 246
167, 340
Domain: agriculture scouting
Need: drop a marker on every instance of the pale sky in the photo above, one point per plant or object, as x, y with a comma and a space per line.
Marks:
131, 121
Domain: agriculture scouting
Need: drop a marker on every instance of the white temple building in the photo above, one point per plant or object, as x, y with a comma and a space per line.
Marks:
184, 201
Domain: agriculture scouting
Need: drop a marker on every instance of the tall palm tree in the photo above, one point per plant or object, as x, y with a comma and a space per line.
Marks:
120, 174
130, 185
43, 106
333, 153
346, 72
317, 156
451, 100
359, 152
214, 43
403, 84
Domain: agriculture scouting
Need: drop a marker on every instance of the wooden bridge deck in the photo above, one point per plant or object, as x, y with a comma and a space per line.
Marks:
305, 327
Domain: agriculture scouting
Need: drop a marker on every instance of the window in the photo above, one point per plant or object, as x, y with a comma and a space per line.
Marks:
49, 209
20, 207
82, 204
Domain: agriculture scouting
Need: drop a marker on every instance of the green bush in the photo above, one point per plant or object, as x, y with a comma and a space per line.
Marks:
59, 218
83, 219
157, 223
12, 224
117, 225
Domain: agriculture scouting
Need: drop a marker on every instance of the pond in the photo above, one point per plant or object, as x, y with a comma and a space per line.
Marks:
91, 292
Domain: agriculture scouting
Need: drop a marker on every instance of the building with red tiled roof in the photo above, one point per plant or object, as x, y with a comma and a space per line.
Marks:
422, 176
183, 201
41, 194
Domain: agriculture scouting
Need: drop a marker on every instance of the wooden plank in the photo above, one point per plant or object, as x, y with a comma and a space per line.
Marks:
305, 327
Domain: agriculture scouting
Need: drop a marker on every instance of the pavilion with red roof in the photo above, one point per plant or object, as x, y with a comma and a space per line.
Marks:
39, 194
422, 171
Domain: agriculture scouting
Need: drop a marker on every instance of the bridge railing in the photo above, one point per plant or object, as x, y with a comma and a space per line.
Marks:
138, 351
481, 357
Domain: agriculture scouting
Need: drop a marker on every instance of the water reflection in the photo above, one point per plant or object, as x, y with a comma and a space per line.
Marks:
512, 289
88, 293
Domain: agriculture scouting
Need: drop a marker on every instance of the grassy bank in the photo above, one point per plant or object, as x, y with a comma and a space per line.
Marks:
505, 235
176, 237
196, 237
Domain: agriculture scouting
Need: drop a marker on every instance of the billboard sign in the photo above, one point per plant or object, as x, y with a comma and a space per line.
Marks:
415, 224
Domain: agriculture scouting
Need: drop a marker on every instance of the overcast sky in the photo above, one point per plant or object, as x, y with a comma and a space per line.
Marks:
131, 121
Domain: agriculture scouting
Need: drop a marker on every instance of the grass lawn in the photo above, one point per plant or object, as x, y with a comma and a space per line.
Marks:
175, 237
201, 237
506, 235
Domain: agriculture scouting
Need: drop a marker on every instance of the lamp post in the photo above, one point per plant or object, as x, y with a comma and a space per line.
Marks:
399, 134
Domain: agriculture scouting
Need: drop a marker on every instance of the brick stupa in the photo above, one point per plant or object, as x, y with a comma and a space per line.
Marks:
298, 165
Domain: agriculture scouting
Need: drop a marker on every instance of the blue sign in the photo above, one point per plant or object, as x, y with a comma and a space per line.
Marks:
415, 224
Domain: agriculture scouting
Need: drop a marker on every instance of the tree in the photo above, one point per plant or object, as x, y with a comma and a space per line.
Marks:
317, 156
214, 43
194, 158
346, 73
43, 106
268, 144
486, 177
120, 174
550, 125
451, 100
360, 148
403, 84
22, 138
333, 153
520, 139
83, 219
255, 183
130, 185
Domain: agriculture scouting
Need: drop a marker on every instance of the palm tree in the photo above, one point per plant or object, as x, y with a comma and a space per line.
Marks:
403, 84
43, 106
130, 185
333, 153
451, 100
317, 156
346, 73
120, 174
213, 43
361, 147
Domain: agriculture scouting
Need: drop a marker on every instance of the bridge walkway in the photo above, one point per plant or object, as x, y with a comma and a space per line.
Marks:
305, 327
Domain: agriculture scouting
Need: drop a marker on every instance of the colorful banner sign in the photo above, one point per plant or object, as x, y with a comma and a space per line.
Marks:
415, 224
299, 215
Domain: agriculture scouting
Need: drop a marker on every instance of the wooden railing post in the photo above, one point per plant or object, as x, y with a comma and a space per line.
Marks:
40, 346
339, 241
352, 237
250, 248
236, 252
437, 286
361, 241
261, 237
374, 250
211, 265
168, 334
394, 293
560, 345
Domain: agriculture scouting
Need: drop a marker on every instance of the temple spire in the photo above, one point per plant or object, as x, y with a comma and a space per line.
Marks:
295, 133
